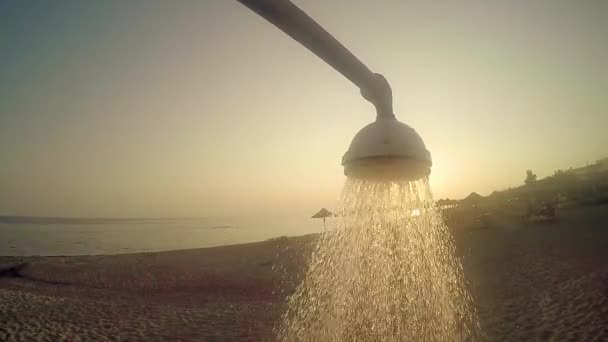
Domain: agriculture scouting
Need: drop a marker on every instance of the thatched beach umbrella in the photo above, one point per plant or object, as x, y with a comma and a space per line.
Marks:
472, 200
323, 213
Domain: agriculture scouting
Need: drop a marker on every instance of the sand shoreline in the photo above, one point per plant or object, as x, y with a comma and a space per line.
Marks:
530, 282
154, 251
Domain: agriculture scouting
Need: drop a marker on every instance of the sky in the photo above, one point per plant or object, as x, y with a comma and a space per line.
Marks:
201, 108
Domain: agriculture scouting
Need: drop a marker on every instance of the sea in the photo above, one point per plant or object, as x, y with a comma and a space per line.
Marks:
53, 237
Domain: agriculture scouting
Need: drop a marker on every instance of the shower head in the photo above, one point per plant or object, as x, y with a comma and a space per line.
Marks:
386, 149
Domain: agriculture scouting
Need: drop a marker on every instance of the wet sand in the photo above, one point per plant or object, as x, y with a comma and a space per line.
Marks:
530, 282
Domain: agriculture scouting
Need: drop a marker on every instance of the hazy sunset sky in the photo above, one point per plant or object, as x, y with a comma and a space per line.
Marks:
196, 108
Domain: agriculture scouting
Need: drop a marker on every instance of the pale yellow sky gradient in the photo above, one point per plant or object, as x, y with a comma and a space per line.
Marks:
197, 108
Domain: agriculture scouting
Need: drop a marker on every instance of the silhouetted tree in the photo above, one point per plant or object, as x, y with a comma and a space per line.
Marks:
530, 177
566, 183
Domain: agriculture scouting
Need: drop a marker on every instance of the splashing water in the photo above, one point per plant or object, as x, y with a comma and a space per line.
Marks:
387, 272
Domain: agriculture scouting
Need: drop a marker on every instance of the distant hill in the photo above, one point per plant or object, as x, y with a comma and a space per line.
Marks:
573, 183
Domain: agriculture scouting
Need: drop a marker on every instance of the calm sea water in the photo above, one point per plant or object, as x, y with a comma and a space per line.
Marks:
25, 239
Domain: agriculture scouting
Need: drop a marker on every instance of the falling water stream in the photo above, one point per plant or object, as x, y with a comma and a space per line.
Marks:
386, 272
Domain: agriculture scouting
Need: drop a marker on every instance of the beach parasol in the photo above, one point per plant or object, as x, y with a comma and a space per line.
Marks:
323, 213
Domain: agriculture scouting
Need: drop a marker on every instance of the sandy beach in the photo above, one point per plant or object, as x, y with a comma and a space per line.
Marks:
530, 282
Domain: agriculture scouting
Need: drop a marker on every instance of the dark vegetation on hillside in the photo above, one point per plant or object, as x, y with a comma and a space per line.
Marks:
535, 200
